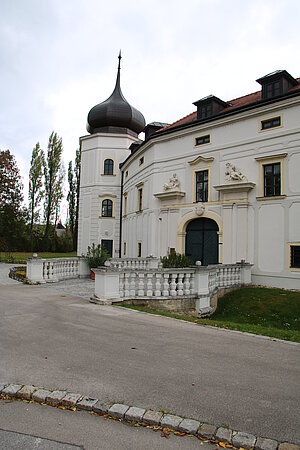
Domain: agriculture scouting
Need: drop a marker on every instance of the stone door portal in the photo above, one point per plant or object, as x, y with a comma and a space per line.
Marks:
202, 243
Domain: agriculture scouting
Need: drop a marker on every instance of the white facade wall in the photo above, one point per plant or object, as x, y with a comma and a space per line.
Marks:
95, 187
255, 229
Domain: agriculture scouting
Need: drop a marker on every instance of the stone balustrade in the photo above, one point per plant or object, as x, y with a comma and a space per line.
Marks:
133, 263
115, 283
41, 270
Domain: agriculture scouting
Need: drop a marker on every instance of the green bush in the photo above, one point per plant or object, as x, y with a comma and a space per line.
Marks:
176, 260
96, 255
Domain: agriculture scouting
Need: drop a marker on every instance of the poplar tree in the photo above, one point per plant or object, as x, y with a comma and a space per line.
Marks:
35, 193
54, 177
73, 196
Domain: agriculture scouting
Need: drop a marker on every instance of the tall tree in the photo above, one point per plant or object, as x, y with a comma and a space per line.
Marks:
11, 197
35, 193
54, 177
73, 196
77, 178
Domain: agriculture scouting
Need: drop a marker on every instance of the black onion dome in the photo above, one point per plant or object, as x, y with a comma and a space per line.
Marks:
114, 113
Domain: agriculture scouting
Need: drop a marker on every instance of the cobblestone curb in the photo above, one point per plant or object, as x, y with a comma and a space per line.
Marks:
133, 414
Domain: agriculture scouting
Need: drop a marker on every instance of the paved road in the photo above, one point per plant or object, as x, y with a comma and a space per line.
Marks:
54, 340
35, 424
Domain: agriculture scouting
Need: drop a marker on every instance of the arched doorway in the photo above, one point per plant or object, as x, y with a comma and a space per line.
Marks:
202, 242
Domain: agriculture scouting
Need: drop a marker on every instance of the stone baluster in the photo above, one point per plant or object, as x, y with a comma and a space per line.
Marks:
180, 284
166, 286
149, 284
121, 284
157, 284
192, 283
126, 284
141, 286
132, 284
187, 284
173, 285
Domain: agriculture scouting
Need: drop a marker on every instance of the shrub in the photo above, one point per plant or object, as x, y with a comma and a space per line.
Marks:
176, 260
96, 255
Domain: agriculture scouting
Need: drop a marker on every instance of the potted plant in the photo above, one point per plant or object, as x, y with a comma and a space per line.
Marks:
96, 256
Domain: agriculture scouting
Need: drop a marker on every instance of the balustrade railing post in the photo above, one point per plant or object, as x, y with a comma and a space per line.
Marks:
34, 270
166, 286
158, 284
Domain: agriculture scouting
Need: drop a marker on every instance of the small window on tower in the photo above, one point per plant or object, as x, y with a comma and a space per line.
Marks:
108, 167
141, 161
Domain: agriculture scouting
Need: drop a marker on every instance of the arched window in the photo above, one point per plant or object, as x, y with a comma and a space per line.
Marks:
107, 208
108, 167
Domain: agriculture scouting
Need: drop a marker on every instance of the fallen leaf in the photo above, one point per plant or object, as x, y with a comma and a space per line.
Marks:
222, 444
179, 433
165, 433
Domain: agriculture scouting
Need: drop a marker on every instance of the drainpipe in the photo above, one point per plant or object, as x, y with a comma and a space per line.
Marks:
121, 214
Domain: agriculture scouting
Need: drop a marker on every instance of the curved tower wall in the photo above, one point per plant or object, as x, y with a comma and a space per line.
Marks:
96, 187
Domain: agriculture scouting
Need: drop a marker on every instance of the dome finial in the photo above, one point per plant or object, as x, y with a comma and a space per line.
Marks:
120, 57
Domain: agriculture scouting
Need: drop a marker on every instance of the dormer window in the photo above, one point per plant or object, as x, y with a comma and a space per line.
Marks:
209, 106
275, 84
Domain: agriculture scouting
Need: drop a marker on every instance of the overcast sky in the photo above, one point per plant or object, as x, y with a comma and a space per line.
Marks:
58, 58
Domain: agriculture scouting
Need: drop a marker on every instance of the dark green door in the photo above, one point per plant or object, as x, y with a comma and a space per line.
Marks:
202, 241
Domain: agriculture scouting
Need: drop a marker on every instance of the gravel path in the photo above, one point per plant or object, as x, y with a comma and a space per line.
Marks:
83, 287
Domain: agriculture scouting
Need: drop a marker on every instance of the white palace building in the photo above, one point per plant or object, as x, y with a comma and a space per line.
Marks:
220, 185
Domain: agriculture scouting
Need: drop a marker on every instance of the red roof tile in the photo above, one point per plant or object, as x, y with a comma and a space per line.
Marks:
234, 104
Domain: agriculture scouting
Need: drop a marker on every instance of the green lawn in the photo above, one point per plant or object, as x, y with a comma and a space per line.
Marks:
20, 257
269, 312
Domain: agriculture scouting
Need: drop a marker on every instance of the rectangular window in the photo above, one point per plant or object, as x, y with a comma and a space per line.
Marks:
205, 111
202, 186
108, 244
271, 90
272, 180
124, 248
295, 256
202, 140
125, 205
271, 123
140, 199
139, 250
141, 161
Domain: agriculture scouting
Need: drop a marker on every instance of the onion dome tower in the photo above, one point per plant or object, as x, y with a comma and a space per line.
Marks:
115, 114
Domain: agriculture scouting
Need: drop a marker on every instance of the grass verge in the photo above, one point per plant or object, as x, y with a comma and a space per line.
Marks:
20, 257
268, 312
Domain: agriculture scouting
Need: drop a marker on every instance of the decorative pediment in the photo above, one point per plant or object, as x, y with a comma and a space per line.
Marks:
200, 159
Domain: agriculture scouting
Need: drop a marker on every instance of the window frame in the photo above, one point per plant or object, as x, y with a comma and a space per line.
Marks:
265, 161
104, 167
125, 198
270, 119
197, 172
111, 207
202, 137
273, 177
289, 256
140, 197
139, 249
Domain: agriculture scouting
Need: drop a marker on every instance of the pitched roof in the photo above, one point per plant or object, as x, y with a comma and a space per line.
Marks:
244, 101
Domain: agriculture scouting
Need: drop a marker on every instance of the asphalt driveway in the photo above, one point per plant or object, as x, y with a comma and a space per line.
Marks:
51, 339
